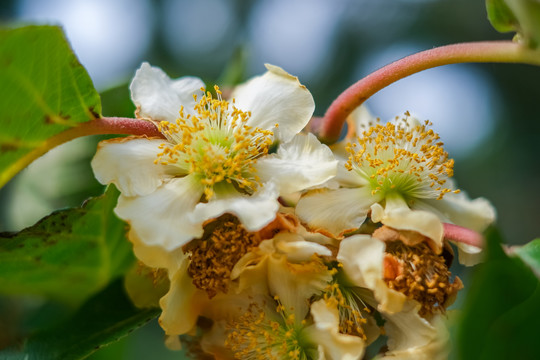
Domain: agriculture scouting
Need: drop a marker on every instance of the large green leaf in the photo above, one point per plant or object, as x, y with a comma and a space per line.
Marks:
44, 90
521, 16
68, 255
501, 313
104, 319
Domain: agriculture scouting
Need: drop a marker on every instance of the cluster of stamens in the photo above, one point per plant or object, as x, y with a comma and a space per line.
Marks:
216, 144
213, 256
254, 335
402, 158
420, 274
350, 306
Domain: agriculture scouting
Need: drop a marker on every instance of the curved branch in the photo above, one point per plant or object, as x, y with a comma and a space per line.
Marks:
355, 95
100, 126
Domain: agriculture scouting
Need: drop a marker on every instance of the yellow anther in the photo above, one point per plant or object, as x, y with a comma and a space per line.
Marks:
399, 157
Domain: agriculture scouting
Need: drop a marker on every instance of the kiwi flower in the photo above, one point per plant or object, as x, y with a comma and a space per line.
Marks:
217, 156
398, 174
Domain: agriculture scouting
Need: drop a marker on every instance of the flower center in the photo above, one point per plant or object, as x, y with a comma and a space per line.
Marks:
420, 274
265, 334
216, 144
402, 158
213, 256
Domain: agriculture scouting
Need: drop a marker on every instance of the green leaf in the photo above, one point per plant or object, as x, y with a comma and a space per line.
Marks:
501, 17
521, 16
530, 254
501, 312
104, 319
44, 90
69, 255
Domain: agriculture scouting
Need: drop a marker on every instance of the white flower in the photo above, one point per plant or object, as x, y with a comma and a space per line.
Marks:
398, 172
215, 158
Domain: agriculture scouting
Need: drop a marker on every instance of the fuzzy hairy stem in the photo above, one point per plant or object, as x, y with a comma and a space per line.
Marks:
463, 235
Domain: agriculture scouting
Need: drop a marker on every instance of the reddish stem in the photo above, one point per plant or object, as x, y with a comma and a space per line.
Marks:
116, 125
101, 126
463, 235
355, 95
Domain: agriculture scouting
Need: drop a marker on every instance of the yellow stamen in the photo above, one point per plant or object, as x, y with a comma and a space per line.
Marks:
216, 144
263, 334
402, 158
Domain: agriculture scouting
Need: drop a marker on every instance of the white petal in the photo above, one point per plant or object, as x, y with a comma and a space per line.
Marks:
255, 211
325, 331
182, 304
276, 98
458, 209
362, 258
411, 337
335, 212
158, 97
129, 164
299, 164
296, 249
469, 255
163, 218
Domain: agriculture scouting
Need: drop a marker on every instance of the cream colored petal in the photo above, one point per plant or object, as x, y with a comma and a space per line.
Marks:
335, 212
295, 284
296, 249
469, 255
156, 256
397, 215
411, 337
182, 304
325, 331
164, 217
255, 211
298, 165
250, 274
276, 98
362, 259
213, 341
158, 97
129, 164
458, 209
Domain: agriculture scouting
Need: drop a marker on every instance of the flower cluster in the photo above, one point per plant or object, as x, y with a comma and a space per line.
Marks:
275, 246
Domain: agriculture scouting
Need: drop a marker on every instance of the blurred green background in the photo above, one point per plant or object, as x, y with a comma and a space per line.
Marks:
487, 114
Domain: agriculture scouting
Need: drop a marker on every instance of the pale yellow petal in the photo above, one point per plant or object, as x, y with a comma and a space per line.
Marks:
362, 259
325, 332
182, 304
